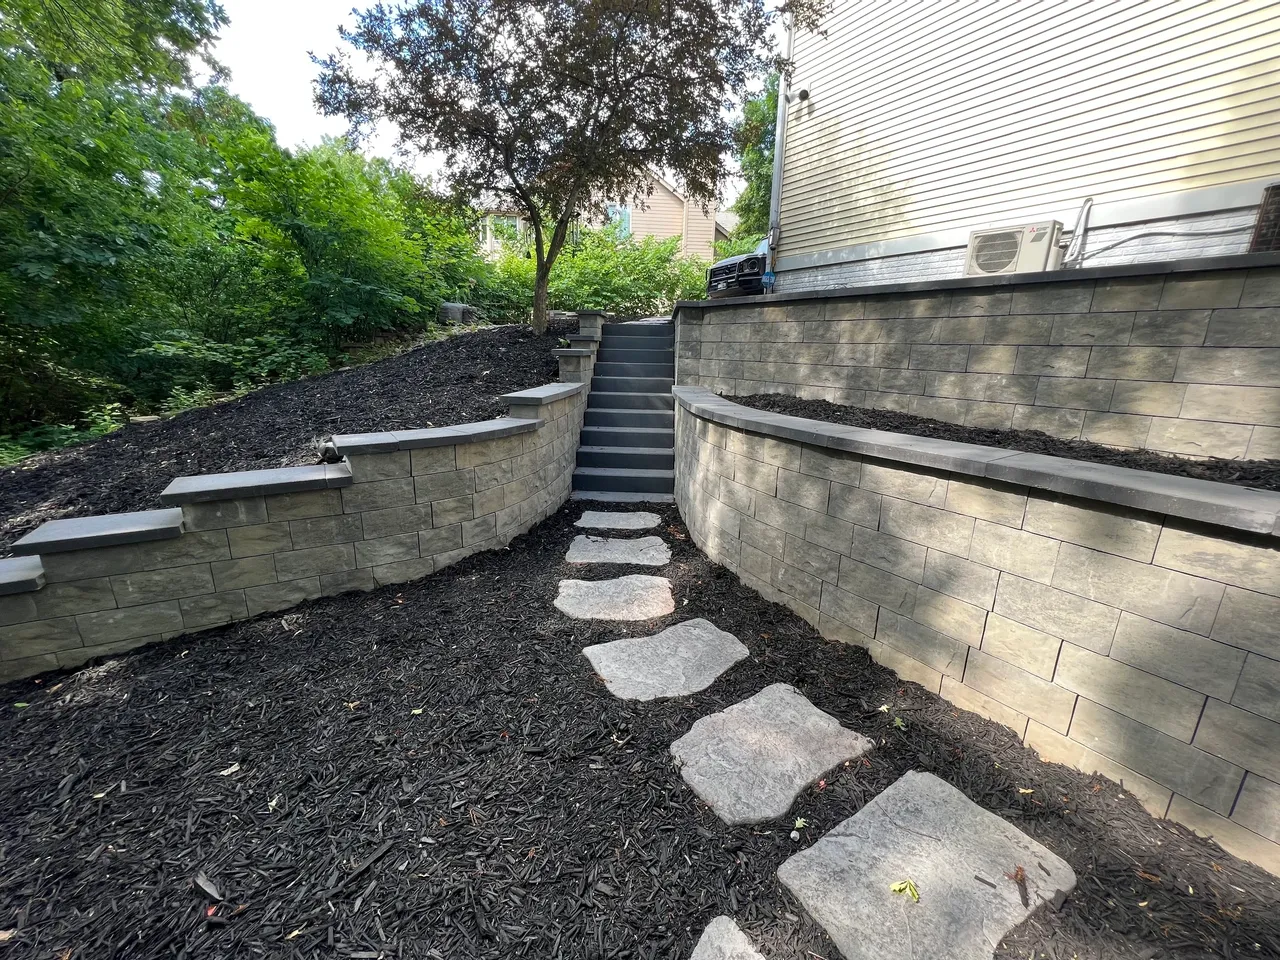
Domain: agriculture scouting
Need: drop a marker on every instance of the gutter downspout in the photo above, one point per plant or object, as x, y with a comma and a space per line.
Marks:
779, 148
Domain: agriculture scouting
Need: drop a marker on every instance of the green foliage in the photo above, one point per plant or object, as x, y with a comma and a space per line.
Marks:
605, 270
737, 244
753, 144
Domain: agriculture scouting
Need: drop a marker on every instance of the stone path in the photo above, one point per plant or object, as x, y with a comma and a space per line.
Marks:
678, 661
722, 940
751, 760
644, 552
957, 855
602, 520
636, 597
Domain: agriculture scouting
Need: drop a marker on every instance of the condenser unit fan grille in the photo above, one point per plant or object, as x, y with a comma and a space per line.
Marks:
996, 251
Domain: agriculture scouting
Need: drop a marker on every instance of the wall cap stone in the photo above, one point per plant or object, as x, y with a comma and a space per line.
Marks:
391, 441
1220, 504
562, 352
583, 337
1242, 261
82, 533
255, 483
548, 393
21, 575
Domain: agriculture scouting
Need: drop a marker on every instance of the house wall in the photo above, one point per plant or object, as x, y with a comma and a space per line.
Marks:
662, 215
927, 121
1141, 644
400, 506
1165, 357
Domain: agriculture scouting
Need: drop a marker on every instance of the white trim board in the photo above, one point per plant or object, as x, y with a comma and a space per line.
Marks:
1233, 196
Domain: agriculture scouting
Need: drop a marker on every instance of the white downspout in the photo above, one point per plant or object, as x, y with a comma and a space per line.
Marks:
779, 148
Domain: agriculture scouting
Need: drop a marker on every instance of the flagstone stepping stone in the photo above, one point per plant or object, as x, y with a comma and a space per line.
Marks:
751, 760
606, 520
636, 597
724, 940
643, 551
678, 661
956, 853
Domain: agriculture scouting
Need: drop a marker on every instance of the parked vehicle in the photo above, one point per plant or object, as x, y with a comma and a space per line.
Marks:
739, 276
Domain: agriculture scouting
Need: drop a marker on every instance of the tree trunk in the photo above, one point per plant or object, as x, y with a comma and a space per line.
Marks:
541, 281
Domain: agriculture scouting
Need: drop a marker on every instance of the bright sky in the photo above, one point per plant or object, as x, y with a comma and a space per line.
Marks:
267, 48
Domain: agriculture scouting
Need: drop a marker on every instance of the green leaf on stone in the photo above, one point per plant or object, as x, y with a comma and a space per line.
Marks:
907, 887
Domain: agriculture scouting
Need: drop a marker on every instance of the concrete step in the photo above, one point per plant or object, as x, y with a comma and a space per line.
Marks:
637, 330
654, 419
629, 355
624, 481
639, 343
598, 399
635, 369
628, 458
632, 384
628, 437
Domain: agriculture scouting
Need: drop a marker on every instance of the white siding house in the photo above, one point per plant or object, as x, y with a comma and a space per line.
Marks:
925, 121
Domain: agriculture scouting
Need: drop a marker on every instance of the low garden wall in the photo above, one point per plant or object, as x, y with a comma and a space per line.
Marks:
1118, 621
397, 506
1172, 357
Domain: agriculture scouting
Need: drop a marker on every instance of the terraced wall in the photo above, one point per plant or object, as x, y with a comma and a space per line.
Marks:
1179, 357
397, 506
1118, 621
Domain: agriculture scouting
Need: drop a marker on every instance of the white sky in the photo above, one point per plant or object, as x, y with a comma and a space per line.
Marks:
267, 48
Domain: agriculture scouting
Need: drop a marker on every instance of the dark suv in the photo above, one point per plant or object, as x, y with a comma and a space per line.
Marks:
738, 276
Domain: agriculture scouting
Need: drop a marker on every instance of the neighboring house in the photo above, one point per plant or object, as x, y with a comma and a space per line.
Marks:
926, 121
664, 213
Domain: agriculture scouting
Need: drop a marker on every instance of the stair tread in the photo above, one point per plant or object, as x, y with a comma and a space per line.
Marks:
592, 426
623, 472
629, 451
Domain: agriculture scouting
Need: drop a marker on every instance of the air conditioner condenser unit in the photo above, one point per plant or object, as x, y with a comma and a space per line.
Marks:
1029, 248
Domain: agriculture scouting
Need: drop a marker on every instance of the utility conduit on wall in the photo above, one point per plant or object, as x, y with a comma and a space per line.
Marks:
1032, 590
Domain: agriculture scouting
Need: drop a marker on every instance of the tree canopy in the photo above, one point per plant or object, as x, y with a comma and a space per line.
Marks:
753, 143
559, 106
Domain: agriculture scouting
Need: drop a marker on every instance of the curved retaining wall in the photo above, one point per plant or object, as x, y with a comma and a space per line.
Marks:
1119, 621
1173, 357
230, 546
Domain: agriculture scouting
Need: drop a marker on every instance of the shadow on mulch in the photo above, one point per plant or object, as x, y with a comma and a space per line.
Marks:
433, 771
454, 380
1262, 474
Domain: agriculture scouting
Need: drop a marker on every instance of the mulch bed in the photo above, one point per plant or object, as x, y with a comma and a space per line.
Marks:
455, 380
1262, 474
432, 771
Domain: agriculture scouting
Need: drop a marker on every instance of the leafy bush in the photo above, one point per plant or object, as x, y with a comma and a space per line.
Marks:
605, 270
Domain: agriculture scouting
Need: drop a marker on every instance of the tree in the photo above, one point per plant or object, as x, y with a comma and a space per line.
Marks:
559, 106
754, 140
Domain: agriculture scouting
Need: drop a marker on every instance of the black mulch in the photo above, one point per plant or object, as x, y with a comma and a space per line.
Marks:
455, 380
432, 771
1263, 474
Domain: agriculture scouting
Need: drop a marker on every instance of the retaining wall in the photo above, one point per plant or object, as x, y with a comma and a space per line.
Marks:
1173, 357
1118, 621
230, 546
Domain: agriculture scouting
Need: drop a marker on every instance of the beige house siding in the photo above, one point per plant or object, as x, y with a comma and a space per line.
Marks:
661, 216
929, 120
699, 231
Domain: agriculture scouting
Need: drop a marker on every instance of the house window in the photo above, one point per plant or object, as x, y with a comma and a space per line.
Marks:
619, 214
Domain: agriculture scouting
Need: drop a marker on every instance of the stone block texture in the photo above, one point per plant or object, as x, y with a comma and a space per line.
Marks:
405, 514
1126, 642
1179, 363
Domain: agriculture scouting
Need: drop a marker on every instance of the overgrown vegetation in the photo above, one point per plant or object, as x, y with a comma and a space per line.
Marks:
159, 247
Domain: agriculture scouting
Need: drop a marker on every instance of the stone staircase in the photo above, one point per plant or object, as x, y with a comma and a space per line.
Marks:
627, 450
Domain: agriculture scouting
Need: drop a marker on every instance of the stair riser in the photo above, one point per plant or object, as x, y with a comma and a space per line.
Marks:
636, 356
630, 401
620, 458
638, 343
624, 484
633, 384
607, 437
655, 419
637, 330
635, 370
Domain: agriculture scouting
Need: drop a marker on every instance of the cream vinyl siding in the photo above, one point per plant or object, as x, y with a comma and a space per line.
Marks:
661, 217
927, 117
699, 231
